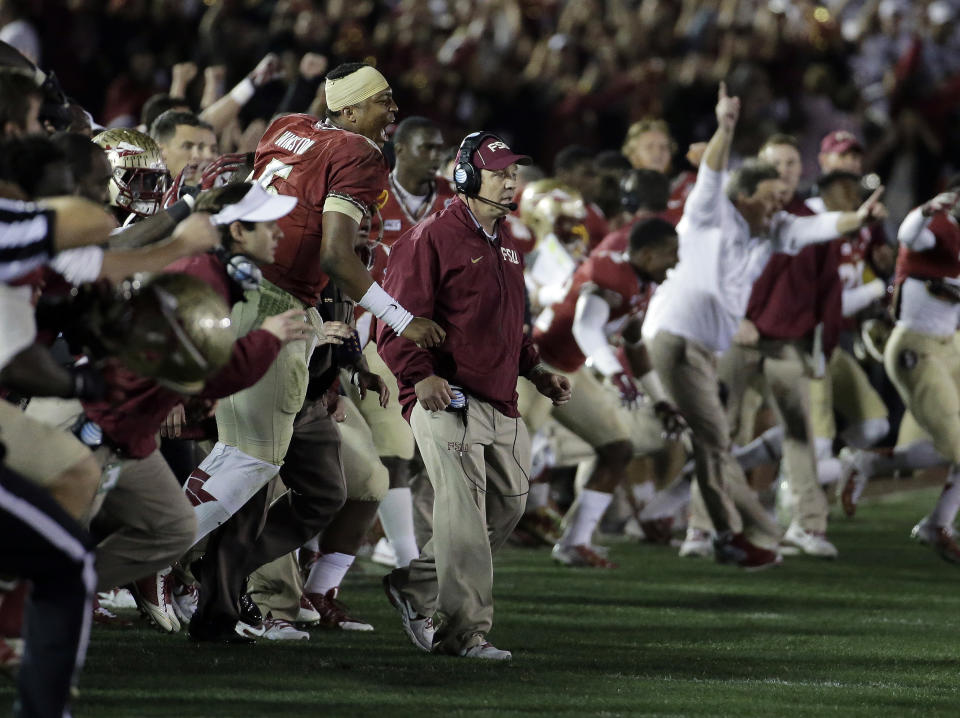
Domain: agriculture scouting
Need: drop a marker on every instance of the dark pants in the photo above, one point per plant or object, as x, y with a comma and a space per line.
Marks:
39, 541
258, 534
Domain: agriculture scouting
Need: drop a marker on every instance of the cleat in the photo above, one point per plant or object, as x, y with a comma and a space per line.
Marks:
105, 617
812, 543
581, 556
853, 480
184, 600
11, 655
384, 554
485, 650
697, 544
306, 613
543, 524
735, 548
940, 538
333, 614
658, 531
116, 599
152, 595
419, 628
249, 611
277, 629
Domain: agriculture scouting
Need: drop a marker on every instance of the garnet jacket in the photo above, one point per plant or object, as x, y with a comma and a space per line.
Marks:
446, 269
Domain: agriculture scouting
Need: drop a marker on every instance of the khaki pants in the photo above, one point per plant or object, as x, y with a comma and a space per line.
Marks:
785, 373
688, 371
146, 520
479, 475
259, 419
37, 449
390, 431
847, 390
276, 588
593, 413
925, 369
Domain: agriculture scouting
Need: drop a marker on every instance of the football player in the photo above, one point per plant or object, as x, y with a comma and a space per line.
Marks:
608, 290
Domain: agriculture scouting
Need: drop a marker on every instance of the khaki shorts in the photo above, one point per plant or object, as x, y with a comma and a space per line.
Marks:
925, 369
37, 450
846, 390
391, 433
259, 419
367, 478
593, 412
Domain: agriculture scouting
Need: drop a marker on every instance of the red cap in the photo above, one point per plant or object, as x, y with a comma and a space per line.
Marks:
493, 154
841, 142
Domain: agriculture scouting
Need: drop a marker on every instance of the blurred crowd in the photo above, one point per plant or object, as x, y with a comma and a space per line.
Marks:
547, 73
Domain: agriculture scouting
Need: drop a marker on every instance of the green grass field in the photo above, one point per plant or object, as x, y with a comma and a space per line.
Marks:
876, 633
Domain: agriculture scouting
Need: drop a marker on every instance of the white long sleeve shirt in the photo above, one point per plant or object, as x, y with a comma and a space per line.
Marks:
705, 296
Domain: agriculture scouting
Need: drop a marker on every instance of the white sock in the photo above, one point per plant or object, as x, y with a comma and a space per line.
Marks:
828, 471
668, 501
396, 515
945, 511
538, 497
919, 455
328, 572
765, 449
866, 433
587, 511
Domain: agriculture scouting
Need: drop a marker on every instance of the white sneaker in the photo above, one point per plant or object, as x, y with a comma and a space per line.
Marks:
924, 532
419, 628
697, 544
307, 612
116, 598
486, 650
152, 595
184, 600
581, 556
384, 554
811, 543
276, 629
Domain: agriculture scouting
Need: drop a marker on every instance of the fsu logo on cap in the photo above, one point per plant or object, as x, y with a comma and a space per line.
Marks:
497, 145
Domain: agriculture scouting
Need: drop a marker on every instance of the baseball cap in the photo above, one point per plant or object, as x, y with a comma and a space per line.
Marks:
840, 141
257, 205
493, 154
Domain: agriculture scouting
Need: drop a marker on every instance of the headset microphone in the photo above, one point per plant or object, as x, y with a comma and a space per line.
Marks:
509, 206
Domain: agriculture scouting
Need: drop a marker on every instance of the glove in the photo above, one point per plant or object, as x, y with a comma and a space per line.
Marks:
217, 173
625, 385
671, 420
88, 383
941, 203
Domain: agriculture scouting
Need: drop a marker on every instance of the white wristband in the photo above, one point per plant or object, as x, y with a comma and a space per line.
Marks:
243, 91
386, 308
652, 387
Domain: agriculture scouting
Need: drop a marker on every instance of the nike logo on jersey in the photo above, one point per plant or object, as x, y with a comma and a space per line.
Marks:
474, 261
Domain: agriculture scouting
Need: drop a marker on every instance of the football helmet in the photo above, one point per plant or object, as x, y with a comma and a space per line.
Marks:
139, 173
549, 207
174, 328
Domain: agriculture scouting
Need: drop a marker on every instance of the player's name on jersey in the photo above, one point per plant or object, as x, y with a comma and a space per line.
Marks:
292, 142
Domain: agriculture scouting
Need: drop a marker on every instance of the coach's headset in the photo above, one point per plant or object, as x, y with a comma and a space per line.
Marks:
466, 176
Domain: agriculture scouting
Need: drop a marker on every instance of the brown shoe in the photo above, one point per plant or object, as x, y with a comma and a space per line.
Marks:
735, 548
333, 614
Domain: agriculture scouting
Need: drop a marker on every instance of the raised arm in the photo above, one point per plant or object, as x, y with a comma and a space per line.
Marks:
701, 204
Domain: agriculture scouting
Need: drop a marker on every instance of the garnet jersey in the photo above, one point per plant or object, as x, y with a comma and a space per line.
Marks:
615, 277
942, 261
619, 239
319, 164
596, 223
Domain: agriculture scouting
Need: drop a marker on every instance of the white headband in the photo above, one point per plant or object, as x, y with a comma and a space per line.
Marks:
354, 88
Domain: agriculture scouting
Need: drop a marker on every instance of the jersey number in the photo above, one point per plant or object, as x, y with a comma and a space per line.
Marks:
273, 170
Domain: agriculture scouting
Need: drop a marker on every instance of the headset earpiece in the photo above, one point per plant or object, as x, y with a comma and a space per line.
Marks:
241, 269
465, 175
